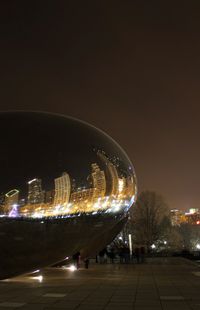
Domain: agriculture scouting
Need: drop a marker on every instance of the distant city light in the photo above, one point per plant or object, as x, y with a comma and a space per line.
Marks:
179, 217
14, 211
198, 246
193, 211
121, 185
153, 246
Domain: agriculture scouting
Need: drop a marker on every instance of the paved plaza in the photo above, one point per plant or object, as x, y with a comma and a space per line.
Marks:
167, 283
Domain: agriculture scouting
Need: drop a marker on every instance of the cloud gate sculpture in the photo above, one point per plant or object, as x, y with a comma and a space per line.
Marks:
65, 186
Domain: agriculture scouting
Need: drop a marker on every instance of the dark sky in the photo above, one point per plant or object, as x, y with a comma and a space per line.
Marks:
131, 68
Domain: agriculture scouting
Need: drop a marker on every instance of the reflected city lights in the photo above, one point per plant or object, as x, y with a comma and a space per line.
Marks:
67, 188
36, 271
109, 189
72, 268
38, 278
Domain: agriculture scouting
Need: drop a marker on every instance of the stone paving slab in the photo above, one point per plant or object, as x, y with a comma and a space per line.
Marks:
166, 284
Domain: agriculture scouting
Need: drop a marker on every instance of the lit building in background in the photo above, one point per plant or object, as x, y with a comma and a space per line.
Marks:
112, 180
121, 185
35, 192
49, 196
62, 189
85, 195
11, 199
130, 188
193, 216
179, 217
193, 211
83, 200
22, 202
98, 181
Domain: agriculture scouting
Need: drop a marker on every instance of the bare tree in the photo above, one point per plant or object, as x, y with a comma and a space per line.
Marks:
149, 219
174, 239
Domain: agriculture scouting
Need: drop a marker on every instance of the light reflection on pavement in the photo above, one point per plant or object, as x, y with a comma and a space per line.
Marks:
168, 283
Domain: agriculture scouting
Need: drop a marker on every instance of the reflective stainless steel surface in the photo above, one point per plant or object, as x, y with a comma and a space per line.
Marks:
62, 172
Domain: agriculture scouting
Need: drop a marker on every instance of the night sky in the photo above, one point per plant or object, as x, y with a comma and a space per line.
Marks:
131, 68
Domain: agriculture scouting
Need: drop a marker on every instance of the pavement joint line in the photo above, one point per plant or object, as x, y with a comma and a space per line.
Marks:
155, 284
8, 304
56, 295
172, 297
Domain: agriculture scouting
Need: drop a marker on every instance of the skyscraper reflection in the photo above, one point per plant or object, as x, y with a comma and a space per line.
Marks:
62, 190
35, 192
104, 190
65, 187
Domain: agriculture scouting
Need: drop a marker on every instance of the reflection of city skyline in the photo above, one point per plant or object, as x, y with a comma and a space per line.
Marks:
107, 186
65, 187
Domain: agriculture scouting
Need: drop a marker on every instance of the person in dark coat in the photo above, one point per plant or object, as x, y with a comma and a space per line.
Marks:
137, 254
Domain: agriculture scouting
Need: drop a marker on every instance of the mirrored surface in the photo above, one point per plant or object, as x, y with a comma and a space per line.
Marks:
52, 166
